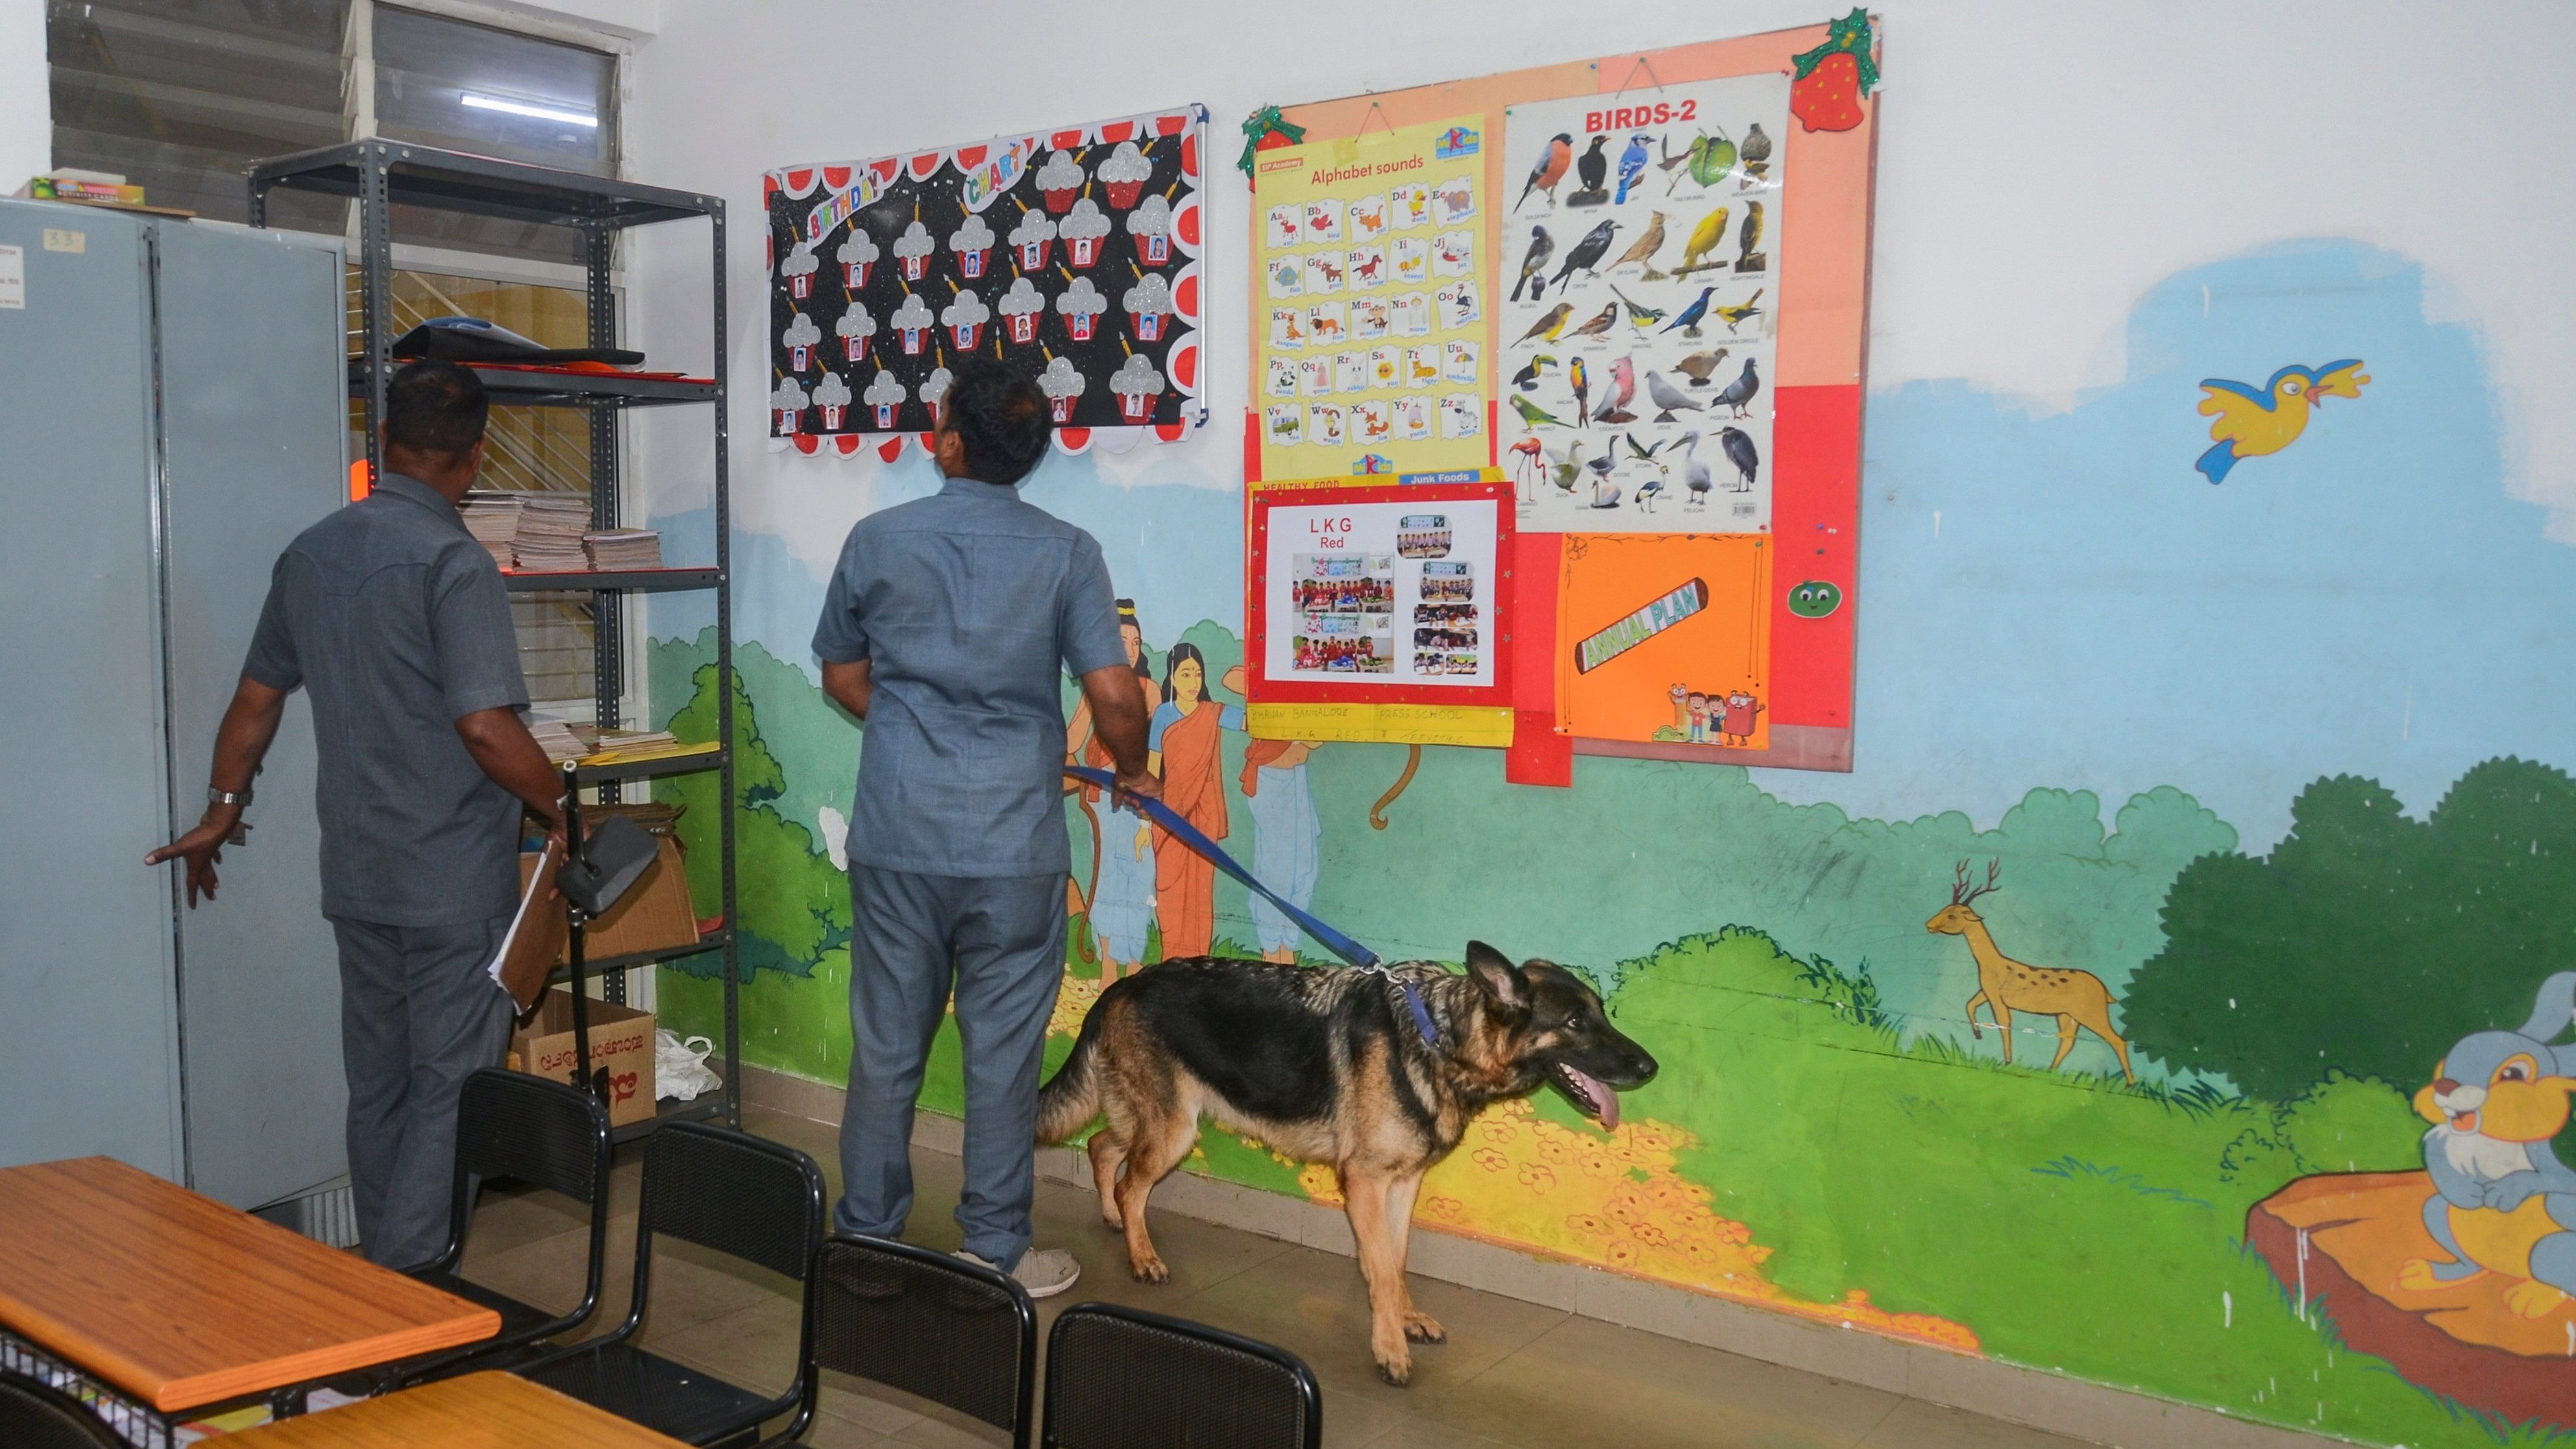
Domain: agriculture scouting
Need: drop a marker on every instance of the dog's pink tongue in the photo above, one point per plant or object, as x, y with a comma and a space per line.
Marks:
1602, 1097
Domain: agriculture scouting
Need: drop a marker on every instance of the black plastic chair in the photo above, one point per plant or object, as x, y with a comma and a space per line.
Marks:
954, 1332
549, 1134
734, 1194
36, 1415
1122, 1378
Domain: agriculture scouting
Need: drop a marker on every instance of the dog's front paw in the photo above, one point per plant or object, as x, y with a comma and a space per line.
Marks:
2532, 1298
1423, 1328
1397, 1370
1148, 1268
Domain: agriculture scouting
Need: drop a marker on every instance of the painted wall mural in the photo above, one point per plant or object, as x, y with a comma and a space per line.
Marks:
2176, 994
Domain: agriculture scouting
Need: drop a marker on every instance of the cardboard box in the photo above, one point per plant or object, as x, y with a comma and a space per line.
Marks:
653, 915
621, 1044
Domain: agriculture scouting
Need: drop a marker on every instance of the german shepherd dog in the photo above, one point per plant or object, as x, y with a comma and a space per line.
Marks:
1331, 1067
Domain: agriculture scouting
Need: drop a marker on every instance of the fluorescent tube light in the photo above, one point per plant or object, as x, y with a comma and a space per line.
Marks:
517, 108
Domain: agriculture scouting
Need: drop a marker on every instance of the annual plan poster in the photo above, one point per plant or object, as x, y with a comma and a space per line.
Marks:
1639, 279
1372, 301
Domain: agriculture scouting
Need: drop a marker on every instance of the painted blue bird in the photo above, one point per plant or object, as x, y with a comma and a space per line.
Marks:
1581, 381
1687, 318
2254, 423
1632, 164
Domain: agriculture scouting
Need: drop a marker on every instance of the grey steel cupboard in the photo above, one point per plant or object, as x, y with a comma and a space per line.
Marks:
172, 411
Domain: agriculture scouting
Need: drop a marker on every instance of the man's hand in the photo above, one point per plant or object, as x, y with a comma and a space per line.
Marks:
1135, 786
202, 848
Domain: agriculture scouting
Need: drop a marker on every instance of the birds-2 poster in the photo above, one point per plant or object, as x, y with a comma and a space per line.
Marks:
1646, 227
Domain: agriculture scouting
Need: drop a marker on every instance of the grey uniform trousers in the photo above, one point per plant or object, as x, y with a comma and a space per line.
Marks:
998, 944
418, 1014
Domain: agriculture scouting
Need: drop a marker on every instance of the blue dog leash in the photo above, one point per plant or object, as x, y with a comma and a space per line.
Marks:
1180, 829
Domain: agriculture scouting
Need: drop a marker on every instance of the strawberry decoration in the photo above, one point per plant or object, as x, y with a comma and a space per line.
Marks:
1835, 77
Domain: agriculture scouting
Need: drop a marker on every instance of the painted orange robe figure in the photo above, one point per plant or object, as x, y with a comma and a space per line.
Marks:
1185, 745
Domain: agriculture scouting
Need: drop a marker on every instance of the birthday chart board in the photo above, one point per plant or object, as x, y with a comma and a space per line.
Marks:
1642, 243
1373, 289
1071, 255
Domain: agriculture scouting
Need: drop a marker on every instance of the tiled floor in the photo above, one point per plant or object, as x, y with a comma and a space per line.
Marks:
1512, 1373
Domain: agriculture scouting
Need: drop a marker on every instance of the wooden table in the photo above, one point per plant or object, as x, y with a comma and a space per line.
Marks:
181, 1302
477, 1411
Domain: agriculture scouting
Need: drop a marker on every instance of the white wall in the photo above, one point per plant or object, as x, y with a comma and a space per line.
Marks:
2039, 165
26, 118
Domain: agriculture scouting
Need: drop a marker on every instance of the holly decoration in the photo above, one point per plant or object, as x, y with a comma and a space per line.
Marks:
1835, 77
1265, 130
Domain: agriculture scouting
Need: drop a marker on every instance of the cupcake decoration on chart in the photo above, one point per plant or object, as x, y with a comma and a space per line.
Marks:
1031, 238
854, 329
885, 396
1124, 174
831, 395
798, 268
1059, 180
1081, 304
972, 241
1061, 252
964, 317
1082, 229
1063, 387
1138, 387
787, 403
1149, 306
800, 339
912, 251
856, 254
912, 322
1151, 225
1022, 309
933, 388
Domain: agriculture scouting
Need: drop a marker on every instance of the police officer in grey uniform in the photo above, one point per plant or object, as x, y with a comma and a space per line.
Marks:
944, 628
394, 620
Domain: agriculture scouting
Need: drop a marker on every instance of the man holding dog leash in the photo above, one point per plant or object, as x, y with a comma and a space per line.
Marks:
944, 627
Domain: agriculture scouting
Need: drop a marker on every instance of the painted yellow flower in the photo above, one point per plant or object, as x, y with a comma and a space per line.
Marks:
1536, 1177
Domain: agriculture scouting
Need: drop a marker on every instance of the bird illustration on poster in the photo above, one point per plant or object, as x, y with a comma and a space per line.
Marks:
1628, 310
2258, 422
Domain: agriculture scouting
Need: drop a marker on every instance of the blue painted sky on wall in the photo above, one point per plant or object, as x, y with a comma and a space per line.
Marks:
2087, 611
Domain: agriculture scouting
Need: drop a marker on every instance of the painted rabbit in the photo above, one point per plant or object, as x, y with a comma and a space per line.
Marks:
2502, 1199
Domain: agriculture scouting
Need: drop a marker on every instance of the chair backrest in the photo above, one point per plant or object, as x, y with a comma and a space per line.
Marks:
953, 1332
34, 1415
1122, 1378
510, 1124
734, 1193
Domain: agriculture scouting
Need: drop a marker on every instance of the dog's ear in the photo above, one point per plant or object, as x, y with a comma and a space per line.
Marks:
1495, 972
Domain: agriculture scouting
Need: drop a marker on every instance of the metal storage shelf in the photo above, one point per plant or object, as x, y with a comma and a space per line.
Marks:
523, 388
642, 581
380, 175
715, 940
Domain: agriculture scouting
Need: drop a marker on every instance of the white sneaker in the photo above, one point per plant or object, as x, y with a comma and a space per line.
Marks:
1045, 1272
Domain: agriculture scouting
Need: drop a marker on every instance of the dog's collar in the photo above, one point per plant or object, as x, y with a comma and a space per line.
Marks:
1406, 999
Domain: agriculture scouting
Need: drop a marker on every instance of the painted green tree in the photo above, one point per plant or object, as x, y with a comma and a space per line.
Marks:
2366, 941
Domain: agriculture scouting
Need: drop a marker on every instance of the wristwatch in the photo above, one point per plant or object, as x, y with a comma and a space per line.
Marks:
227, 797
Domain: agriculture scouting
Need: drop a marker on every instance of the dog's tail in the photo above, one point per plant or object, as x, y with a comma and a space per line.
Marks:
1071, 1098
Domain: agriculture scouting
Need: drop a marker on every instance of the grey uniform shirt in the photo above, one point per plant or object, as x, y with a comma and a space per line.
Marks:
394, 620
965, 605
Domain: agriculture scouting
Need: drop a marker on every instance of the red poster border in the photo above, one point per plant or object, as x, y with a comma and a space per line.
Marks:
1506, 591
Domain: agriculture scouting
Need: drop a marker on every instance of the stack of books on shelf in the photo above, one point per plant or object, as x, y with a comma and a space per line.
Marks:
560, 739
631, 742
493, 518
550, 530
619, 549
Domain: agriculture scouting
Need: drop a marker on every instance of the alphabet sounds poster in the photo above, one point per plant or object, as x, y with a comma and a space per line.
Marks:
1639, 281
1381, 593
1372, 303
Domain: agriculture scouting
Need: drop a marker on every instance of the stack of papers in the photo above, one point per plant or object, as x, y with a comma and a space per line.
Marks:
624, 548
550, 530
634, 741
493, 518
561, 740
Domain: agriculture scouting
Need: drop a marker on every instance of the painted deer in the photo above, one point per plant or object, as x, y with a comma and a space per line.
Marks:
2004, 985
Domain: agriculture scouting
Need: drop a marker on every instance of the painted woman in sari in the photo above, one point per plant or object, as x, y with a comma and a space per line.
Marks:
1122, 899
1185, 745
